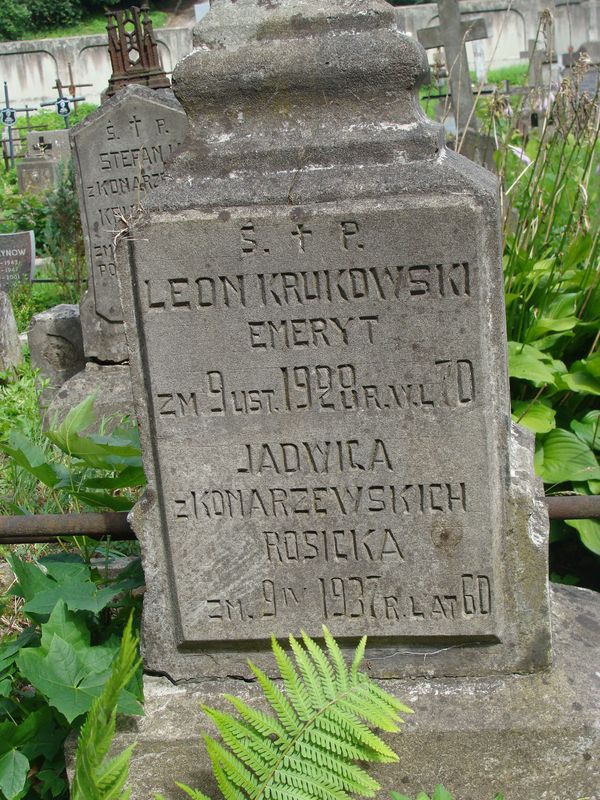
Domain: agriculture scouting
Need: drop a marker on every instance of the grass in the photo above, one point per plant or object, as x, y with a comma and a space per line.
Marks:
92, 25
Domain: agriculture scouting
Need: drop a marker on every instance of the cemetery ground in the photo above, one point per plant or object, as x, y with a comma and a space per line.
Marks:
551, 208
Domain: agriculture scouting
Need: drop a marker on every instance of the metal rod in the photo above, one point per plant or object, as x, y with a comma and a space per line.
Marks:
50, 527
574, 506
98, 525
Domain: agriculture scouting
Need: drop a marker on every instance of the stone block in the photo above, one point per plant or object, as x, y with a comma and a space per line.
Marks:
111, 386
37, 175
56, 345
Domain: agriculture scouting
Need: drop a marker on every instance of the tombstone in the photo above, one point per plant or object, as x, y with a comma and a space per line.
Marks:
37, 174
56, 346
11, 353
452, 34
17, 258
587, 83
53, 143
314, 308
119, 154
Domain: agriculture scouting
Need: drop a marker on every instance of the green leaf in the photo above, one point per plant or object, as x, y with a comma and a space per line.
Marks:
78, 419
441, 793
33, 459
129, 478
588, 429
13, 773
530, 364
105, 500
562, 456
536, 416
589, 532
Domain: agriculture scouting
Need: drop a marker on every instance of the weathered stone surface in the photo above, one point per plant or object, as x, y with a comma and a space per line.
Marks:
119, 153
528, 736
11, 353
56, 344
111, 386
314, 308
37, 175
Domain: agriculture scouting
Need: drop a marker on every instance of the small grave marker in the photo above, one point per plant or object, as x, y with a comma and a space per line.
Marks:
17, 258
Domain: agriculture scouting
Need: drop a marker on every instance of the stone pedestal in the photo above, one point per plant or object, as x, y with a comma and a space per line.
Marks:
526, 736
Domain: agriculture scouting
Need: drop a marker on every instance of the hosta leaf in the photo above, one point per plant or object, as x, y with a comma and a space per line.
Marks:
589, 532
530, 364
562, 456
13, 773
536, 416
588, 429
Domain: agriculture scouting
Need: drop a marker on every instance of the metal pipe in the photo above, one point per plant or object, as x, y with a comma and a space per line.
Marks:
578, 506
98, 525
50, 527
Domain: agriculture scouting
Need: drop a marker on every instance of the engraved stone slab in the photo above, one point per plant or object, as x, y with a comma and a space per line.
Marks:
313, 304
319, 431
119, 155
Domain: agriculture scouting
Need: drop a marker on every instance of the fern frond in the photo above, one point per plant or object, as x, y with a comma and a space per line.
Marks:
95, 777
278, 701
337, 658
258, 754
228, 789
388, 699
290, 775
231, 765
323, 666
309, 673
260, 722
294, 686
344, 723
193, 793
321, 727
357, 660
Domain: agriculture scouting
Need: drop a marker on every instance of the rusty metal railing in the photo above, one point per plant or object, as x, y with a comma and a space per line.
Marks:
29, 529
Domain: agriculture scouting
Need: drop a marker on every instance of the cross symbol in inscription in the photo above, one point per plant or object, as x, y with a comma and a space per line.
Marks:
135, 122
301, 232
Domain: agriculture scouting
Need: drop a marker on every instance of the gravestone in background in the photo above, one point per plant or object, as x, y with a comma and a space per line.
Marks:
119, 154
314, 308
37, 174
55, 143
17, 258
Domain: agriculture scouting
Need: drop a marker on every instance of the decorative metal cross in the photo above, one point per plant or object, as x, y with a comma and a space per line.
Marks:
8, 117
452, 34
62, 103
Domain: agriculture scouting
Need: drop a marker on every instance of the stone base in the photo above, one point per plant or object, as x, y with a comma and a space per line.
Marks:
527, 736
110, 384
